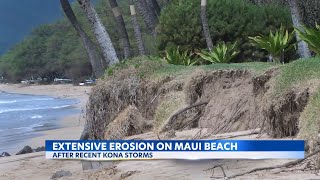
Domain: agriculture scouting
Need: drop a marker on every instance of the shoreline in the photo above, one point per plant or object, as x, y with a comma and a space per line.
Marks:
70, 127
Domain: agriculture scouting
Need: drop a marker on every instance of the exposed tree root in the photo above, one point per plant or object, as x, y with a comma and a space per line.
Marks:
173, 117
187, 108
289, 164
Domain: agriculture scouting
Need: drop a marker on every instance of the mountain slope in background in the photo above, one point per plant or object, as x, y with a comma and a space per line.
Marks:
19, 17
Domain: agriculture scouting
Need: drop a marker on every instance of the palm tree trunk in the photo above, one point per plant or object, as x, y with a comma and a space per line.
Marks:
152, 8
205, 25
100, 32
146, 16
95, 59
156, 7
136, 28
123, 34
303, 49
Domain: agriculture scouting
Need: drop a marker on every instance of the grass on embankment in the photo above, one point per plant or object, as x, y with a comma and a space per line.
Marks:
298, 74
154, 66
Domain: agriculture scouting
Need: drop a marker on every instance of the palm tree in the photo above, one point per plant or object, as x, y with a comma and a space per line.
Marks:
95, 59
156, 7
146, 16
136, 27
205, 25
100, 32
123, 34
151, 7
303, 49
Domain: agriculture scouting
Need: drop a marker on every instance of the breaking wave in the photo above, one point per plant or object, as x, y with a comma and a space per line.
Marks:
30, 109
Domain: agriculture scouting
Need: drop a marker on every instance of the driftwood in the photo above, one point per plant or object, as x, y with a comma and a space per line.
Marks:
239, 135
214, 167
289, 164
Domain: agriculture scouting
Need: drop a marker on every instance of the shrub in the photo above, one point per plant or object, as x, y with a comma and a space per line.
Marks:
176, 57
229, 21
276, 44
311, 36
221, 53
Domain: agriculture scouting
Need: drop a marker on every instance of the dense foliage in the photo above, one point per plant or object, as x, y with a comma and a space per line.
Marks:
229, 21
221, 53
176, 57
311, 36
50, 51
275, 43
55, 50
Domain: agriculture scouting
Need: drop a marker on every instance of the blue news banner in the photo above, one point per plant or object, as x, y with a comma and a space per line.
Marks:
174, 149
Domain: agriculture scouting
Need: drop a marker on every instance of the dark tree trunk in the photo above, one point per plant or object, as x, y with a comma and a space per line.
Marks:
303, 49
137, 30
156, 7
146, 16
152, 9
94, 57
123, 34
108, 51
205, 25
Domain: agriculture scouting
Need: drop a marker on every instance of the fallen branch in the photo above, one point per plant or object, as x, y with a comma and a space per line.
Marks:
187, 108
239, 135
212, 169
289, 164
155, 98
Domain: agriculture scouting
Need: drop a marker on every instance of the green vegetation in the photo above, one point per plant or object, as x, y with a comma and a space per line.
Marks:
50, 51
309, 126
155, 66
55, 50
221, 53
276, 44
229, 21
176, 57
311, 36
295, 73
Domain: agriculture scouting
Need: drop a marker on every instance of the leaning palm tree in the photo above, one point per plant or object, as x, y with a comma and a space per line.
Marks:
151, 9
136, 27
147, 17
156, 7
123, 34
100, 32
205, 25
94, 58
303, 49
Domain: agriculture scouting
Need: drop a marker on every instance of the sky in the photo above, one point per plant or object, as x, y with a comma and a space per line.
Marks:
19, 17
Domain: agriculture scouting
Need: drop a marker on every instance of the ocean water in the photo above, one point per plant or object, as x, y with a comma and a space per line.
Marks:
25, 116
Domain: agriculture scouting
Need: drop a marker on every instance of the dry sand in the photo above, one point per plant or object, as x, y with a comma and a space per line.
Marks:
35, 166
